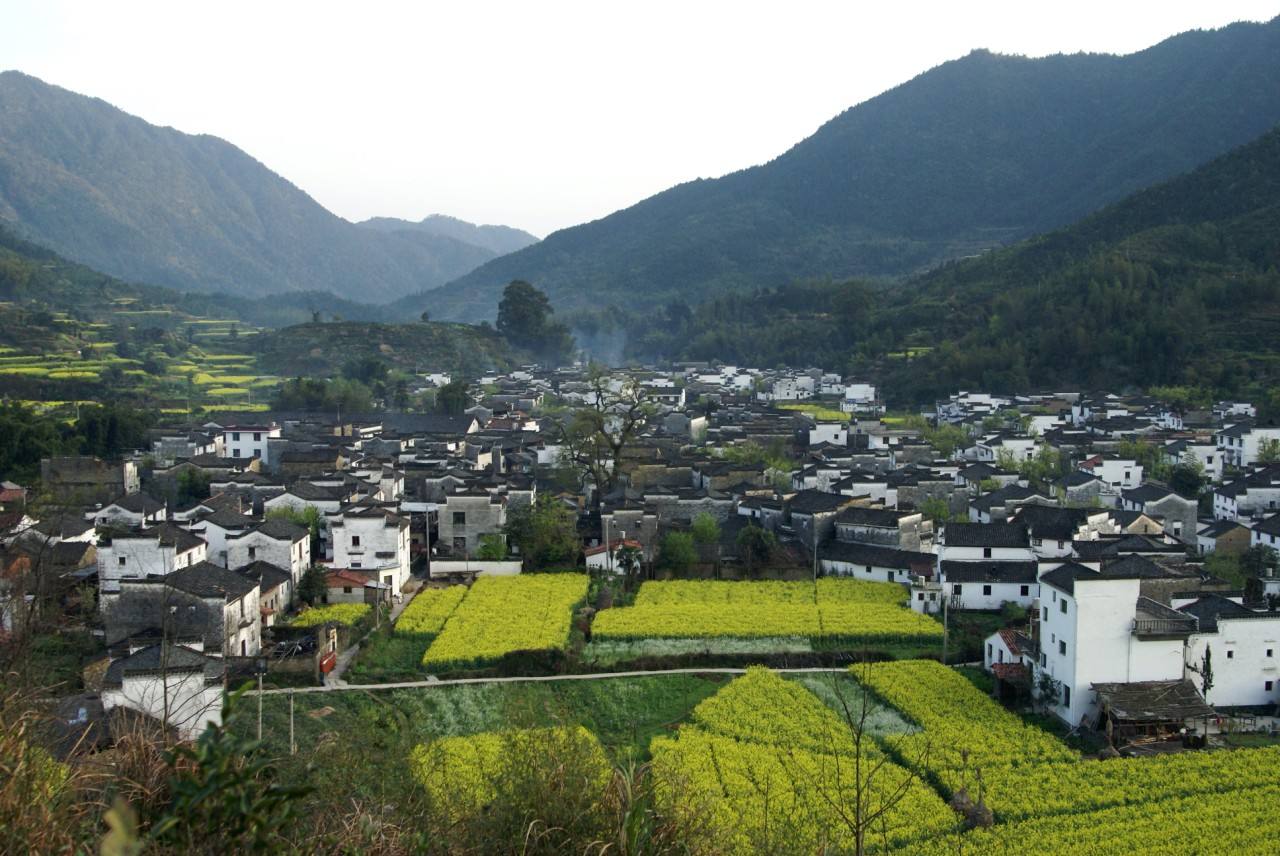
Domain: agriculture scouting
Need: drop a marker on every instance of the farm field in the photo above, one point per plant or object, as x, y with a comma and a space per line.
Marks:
163, 355
849, 612
817, 410
502, 616
766, 762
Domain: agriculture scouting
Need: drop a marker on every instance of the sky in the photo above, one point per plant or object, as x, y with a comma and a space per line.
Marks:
535, 115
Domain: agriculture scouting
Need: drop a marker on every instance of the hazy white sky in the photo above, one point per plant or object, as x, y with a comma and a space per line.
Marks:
536, 114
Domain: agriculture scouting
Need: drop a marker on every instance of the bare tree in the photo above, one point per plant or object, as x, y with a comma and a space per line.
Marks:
857, 782
595, 435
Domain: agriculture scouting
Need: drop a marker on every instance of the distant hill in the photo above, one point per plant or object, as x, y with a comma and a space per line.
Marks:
1176, 284
192, 212
321, 350
975, 153
39, 279
497, 239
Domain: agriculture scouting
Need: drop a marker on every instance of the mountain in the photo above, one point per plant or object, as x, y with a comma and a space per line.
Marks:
1176, 284
499, 240
973, 154
193, 212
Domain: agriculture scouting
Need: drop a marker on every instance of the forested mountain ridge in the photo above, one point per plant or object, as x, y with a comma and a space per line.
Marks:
977, 152
156, 205
1176, 284
497, 239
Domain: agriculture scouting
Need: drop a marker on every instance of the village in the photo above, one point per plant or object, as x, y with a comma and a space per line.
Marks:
1048, 524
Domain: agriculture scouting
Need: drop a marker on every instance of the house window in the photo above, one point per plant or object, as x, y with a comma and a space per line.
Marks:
1024, 591
1269, 651
920, 596
1062, 647
235, 435
235, 453
460, 544
346, 589
986, 590
355, 564
253, 553
868, 569
257, 436
1231, 655
459, 518
1044, 660
1046, 613
989, 651
986, 552
955, 589
890, 576
1066, 696
1062, 605
355, 540
1268, 685
122, 560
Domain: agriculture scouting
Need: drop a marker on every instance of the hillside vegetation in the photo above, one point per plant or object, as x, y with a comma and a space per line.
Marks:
321, 350
1175, 284
973, 154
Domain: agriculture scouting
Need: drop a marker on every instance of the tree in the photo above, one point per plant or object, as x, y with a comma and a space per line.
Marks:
453, 397
859, 783
755, 546
1205, 671
425, 316
676, 553
627, 560
524, 320
313, 587
1259, 561
545, 532
1269, 451
705, 529
1187, 477
595, 436
492, 548
936, 509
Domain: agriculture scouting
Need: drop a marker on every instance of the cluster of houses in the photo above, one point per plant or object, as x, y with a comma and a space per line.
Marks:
196, 546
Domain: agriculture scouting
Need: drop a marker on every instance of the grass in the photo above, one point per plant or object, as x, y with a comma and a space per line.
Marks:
612, 652
1241, 741
386, 657
625, 713
840, 690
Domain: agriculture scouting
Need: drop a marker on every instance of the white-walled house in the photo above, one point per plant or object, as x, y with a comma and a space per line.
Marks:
176, 685
1097, 628
1244, 648
989, 585
249, 441
157, 551
872, 562
216, 528
1242, 442
977, 542
1116, 473
131, 510
279, 542
373, 539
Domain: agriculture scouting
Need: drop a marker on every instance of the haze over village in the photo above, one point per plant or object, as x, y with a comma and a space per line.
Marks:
877, 453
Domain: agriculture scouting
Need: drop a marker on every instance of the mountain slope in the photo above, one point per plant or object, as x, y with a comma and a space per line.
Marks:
193, 212
977, 152
1175, 284
499, 240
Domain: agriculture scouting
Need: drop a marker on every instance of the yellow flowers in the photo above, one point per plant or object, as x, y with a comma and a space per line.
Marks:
834, 608
962, 726
339, 613
503, 615
462, 775
768, 768
429, 609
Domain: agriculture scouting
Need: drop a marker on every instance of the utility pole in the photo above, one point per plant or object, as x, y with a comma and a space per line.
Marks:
293, 746
945, 616
259, 707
